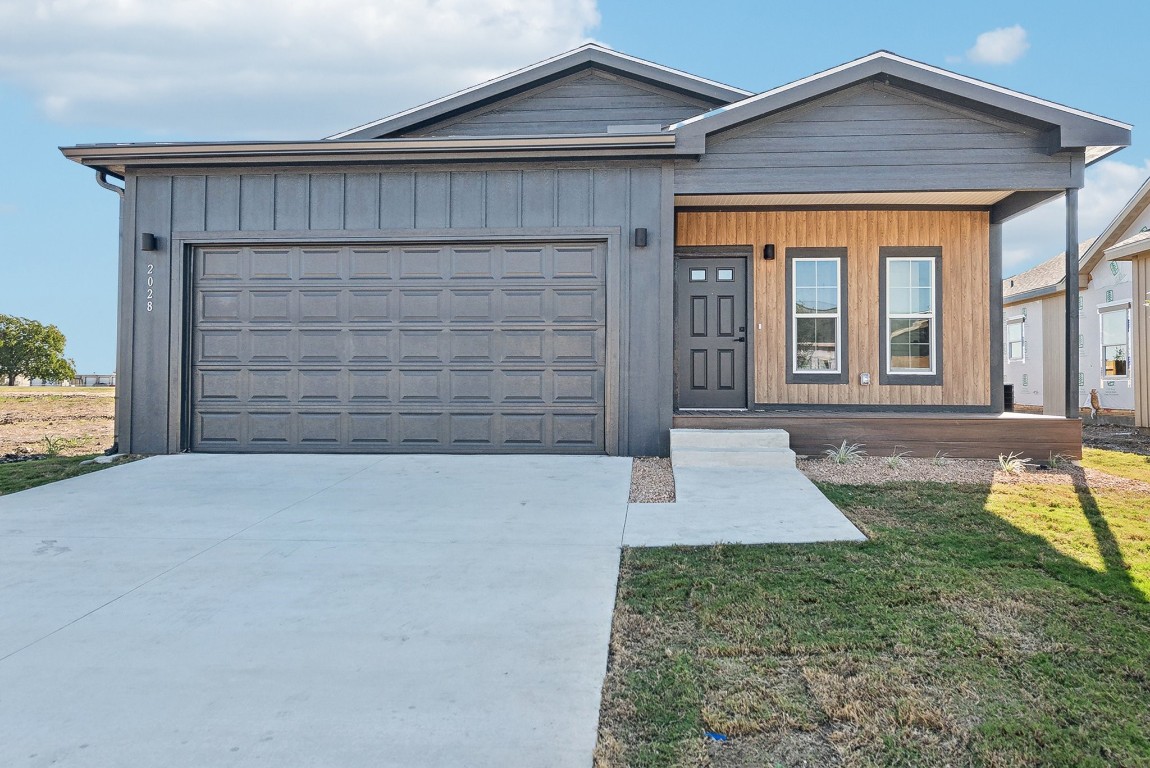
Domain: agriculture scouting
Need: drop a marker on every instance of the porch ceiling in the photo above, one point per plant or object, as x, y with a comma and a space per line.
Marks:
964, 198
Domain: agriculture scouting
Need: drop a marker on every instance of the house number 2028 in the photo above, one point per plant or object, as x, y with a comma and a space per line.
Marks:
150, 287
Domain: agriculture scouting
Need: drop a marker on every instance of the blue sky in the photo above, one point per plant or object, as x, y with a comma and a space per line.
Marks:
161, 70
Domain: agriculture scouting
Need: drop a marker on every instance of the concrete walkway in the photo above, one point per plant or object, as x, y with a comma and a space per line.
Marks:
346, 611
201, 610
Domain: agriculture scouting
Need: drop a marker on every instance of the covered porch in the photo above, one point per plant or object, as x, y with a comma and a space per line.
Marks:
954, 434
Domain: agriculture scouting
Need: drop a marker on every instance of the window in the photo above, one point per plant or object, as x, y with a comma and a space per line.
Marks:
1115, 326
816, 298
698, 275
910, 297
1016, 339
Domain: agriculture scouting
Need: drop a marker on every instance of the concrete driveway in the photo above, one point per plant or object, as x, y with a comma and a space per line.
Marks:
346, 611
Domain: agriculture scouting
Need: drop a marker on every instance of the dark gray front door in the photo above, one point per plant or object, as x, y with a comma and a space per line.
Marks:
419, 347
711, 332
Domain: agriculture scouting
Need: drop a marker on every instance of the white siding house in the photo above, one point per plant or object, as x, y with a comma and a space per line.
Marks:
1033, 323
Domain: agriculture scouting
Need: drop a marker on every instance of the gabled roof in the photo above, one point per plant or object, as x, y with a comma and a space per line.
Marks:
1075, 129
1131, 246
585, 57
1109, 238
1046, 279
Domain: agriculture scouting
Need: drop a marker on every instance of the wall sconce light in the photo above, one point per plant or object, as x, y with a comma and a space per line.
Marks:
769, 252
147, 241
640, 237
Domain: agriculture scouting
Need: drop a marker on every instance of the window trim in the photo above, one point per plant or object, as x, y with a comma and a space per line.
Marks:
929, 379
1102, 310
842, 375
1020, 321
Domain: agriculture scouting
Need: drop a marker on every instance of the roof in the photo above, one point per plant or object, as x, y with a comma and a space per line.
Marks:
1047, 278
1121, 223
1076, 129
583, 57
1131, 246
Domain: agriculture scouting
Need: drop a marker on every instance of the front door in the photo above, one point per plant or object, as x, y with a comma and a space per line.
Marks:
711, 332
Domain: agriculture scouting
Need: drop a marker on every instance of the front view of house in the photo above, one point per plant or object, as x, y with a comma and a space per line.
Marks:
579, 255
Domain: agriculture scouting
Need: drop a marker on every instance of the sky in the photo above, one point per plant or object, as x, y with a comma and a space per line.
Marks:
87, 71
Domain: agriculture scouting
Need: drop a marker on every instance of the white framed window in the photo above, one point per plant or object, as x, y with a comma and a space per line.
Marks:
1114, 327
816, 313
1016, 339
911, 326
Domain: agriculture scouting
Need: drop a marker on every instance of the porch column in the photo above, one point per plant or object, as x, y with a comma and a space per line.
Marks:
1071, 303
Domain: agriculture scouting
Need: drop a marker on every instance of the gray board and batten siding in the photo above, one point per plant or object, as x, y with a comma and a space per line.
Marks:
482, 207
877, 137
592, 101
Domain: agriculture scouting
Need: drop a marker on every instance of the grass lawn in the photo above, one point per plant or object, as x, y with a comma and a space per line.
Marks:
1129, 465
28, 474
982, 625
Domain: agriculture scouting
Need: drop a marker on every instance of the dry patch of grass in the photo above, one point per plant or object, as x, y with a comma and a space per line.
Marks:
984, 624
1129, 465
70, 421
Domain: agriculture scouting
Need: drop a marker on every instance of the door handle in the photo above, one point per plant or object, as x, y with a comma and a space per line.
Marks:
741, 338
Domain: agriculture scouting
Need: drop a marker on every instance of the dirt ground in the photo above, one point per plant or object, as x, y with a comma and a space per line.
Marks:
70, 421
1117, 438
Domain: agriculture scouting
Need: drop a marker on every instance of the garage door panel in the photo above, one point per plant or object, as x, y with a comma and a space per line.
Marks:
400, 348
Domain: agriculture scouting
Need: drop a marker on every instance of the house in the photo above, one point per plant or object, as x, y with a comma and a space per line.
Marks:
1034, 330
95, 380
581, 254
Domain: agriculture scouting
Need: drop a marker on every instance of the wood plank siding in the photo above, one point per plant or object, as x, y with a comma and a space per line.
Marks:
874, 136
1054, 355
965, 270
1140, 314
588, 102
969, 436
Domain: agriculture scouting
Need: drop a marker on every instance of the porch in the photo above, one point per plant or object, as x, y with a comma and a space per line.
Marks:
957, 434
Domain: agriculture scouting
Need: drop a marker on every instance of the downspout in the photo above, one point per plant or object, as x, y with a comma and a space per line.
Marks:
102, 180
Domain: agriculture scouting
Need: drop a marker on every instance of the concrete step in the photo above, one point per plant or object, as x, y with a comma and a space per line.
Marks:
730, 439
703, 458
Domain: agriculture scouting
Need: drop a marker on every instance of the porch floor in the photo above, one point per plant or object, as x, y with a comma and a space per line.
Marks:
957, 434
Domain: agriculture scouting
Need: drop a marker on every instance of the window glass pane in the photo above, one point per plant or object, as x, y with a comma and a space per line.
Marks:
923, 300
698, 275
828, 299
921, 272
805, 299
725, 275
1014, 331
1114, 327
899, 274
910, 344
898, 300
816, 348
805, 273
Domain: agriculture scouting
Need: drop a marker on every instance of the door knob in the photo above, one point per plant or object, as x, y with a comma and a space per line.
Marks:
741, 338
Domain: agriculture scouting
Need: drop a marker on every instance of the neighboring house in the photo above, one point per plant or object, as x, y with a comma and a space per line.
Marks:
1034, 325
579, 255
24, 381
95, 380
1134, 252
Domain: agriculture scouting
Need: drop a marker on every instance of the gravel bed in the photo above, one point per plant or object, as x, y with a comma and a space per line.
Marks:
652, 481
874, 470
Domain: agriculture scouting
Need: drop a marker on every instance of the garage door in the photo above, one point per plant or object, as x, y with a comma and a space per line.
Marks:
399, 348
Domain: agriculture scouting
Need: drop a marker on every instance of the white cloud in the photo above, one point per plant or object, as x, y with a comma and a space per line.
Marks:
1041, 234
268, 68
1004, 45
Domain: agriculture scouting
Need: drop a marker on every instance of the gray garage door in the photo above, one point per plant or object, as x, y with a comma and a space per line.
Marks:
410, 348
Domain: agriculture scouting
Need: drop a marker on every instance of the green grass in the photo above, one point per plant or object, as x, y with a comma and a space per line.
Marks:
28, 474
1129, 465
980, 626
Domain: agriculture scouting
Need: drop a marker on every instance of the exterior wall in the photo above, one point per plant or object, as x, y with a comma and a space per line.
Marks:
965, 314
605, 201
1108, 279
1026, 374
1052, 354
875, 137
588, 102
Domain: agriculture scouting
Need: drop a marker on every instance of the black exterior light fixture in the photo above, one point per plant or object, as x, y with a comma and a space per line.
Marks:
147, 241
640, 237
769, 252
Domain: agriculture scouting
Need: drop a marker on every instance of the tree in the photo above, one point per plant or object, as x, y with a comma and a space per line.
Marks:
32, 349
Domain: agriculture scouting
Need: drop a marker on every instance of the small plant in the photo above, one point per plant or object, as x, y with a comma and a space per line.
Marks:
940, 459
894, 461
1058, 461
53, 446
845, 454
1013, 463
